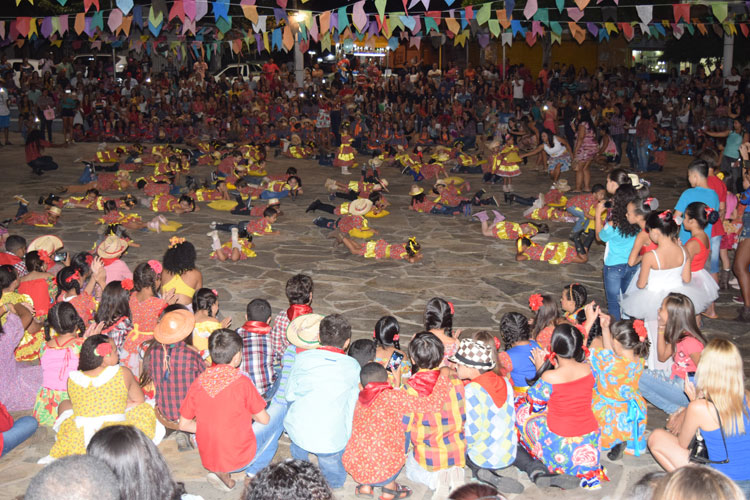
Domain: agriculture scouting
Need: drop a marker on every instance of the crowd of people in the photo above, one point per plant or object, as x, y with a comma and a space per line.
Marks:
116, 359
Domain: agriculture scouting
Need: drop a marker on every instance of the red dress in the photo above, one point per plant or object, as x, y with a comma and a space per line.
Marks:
40, 291
85, 306
145, 315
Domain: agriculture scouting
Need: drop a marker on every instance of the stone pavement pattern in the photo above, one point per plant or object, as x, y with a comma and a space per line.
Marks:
478, 274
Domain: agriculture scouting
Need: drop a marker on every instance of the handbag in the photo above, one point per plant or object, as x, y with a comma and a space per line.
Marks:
699, 451
49, 114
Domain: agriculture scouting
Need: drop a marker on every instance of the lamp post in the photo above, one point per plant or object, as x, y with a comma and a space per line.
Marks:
299, 61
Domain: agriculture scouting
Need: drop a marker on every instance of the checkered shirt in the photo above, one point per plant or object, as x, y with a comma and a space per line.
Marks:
19, 266
490, 431
257, 359
185, 364
279, 342
438, 438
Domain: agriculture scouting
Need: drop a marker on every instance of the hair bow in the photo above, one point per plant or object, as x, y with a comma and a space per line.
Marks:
213, 290
708, 210
155, 265
75, 276
44, 255
89, 259
103, 349
497, 343
535, 302
395, 337
175, 240
586, 351
640, 328
450, 306
665, 214
127, 284
551, 357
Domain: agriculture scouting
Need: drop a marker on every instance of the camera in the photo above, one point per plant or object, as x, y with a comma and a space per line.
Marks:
60, 256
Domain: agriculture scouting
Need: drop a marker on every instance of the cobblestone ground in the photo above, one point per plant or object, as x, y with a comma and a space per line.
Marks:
478, 274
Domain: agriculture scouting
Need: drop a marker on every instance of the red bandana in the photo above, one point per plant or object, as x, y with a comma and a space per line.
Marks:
217, 378
107, 262
424, 381
296, 310
331, 349
256, 327
371, 391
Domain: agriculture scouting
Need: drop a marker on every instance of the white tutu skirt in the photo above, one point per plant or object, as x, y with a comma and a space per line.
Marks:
644, 303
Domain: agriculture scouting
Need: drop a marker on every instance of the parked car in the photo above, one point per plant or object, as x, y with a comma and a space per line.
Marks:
245, 71
16, 64
121, 62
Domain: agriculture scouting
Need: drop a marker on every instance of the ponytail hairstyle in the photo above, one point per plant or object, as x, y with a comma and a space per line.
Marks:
624, 332
114, 305
438, 315
702, 213
514, 327
88, 359
204, 299
34, 262
680, 320
566, 342
577, 293
8, 275
144, 276
619, 176
82, 262
546, 314
643, 206
486, 338
386, 332
664, 222
63, 318
67, 280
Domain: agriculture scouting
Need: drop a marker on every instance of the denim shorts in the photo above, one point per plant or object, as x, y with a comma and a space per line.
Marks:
745, 232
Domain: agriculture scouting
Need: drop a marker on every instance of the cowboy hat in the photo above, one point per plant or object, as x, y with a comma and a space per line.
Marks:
375, 162
440, 182
415, 190
494, 145
360, 206
112, 247
562, 186
55, 210
49, 243
303, 331
174, 326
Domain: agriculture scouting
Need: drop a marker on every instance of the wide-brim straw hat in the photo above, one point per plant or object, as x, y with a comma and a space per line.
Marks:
415, 190
111, 247
295, 140
174, 326
273, 201
562, 186
375, 162
49, 243
304, 331
440, 182
360, 206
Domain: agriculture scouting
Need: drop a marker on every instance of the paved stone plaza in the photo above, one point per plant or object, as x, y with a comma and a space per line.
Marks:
479, 274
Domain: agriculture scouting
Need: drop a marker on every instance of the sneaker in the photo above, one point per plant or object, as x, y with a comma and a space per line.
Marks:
212, 225
213, 234
734, 283
738, 300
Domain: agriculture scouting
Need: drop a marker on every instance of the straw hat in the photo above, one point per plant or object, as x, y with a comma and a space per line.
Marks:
375, 162
443, 156
562, 186
273, 201
415, 190
55, 210
494, 144
440, 182
112, 247
49, 243
303, 331
295, 140
174, 326
360, 206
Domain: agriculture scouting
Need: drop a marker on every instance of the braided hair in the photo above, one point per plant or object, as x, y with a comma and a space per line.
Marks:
63, 318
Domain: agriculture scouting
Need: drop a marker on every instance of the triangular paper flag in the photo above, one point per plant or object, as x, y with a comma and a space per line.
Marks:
114, 20
575, 13
516, 27
507, 39
483, 14
201, 9
609, 13
452, 24
536, 28
282, 3
701, 27
80, 23
556, 28
221, 9
55, 27
509, 6
325, 23
720, 11
415, 41
483, 39
190, 9
177, 10
530, 39
343, 19
530, 9
681, 11
88, 3
261, 24
494, 27
645, 12
717, 30
417, 25
560, 6
224, 24
380, 6
593, 29
154, 18
125, 5
46, 28
743, 27
542, 15
126, 22
32, 28
430, 25
555, 38
502, 18
408, 21
249, 10
287, 39
582, 5
359, 18
314, 33
63, 23
603, 35
627, 31
610, 27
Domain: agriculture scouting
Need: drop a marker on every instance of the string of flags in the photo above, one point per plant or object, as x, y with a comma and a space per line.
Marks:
210, 24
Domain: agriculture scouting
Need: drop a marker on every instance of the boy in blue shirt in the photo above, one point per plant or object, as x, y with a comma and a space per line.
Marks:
699, 191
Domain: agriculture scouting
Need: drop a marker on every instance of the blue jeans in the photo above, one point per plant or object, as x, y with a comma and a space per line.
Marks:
330, 465
666, 394
267, 437
267, 195
744, 486
22, 429
616, 281
580, 224
642, 152
715, 260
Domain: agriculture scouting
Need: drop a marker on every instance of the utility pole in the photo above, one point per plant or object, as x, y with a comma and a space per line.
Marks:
299, 59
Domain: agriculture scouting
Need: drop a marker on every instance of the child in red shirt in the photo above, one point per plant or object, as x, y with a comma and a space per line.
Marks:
219, 408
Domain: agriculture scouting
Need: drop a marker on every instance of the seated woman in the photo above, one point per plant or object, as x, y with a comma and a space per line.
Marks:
39, 284
556, 423
719, 409
26, 379
102, 393
28, 348
180, 273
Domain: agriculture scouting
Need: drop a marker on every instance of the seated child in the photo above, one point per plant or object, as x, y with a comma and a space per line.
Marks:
363, 350
439, 447
411, 251
377, 425
515, 360
220, 408
560, 252
322, 379
257, 350
581, 207
205, 309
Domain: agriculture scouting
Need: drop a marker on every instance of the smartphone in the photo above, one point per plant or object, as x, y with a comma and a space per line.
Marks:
395, 361
60, 256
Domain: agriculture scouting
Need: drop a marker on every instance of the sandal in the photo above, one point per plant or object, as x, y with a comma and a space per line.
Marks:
715, 316
401, 491
359, 493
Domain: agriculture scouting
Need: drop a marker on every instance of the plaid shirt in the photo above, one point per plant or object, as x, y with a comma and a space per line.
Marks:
18, 264
257, 358
438, 438
279, 343
185, 364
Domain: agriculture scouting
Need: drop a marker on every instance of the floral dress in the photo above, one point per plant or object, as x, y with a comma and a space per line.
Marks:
31, 343
574, 455
589, 146
618, 406
99, 402
57, 363
85, 305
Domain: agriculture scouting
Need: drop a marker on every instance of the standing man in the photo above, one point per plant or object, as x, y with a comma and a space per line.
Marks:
4, 111
200, 68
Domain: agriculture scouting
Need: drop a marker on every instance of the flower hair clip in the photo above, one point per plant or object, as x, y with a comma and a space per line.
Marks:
551, 357
395, 338
155, 266
497, 343
175, 240
75, 276
640, 328
708, 210
89, 259
535, 302
665, 214
44, 256
127, 284
586, 351
103, 349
